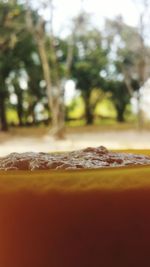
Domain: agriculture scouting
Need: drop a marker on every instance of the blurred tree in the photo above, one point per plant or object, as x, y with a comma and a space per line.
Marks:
89, 60
28, 65
10, 29
16, 55
129, 53
54, 84
119, 96
19, 94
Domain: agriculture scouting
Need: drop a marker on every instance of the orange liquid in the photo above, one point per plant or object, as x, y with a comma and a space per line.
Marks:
44, 223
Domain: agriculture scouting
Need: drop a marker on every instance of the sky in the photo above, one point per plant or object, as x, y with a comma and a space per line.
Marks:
64, 10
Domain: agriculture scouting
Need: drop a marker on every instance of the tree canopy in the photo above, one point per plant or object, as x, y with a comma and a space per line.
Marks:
35, 65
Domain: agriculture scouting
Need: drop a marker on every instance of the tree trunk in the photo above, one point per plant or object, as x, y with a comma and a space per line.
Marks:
46, 70
120, 114
56, 106
3, 119
31, 112
140, 121
88, 111
20, 109
55, 97
58, 116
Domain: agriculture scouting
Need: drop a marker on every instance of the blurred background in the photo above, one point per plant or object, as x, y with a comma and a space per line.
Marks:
74, 74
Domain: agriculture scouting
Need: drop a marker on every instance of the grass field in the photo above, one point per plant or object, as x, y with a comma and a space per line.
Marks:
104, 112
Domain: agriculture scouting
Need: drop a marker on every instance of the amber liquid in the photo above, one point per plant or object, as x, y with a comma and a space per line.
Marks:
75, 228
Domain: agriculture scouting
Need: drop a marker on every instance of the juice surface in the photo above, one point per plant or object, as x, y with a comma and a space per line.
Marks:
77, 218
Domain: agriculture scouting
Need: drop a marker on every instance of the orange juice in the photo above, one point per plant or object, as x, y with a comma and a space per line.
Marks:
94, 218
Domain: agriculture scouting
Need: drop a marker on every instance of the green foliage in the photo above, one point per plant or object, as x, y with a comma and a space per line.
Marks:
92, 55
18, 54
90, 59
